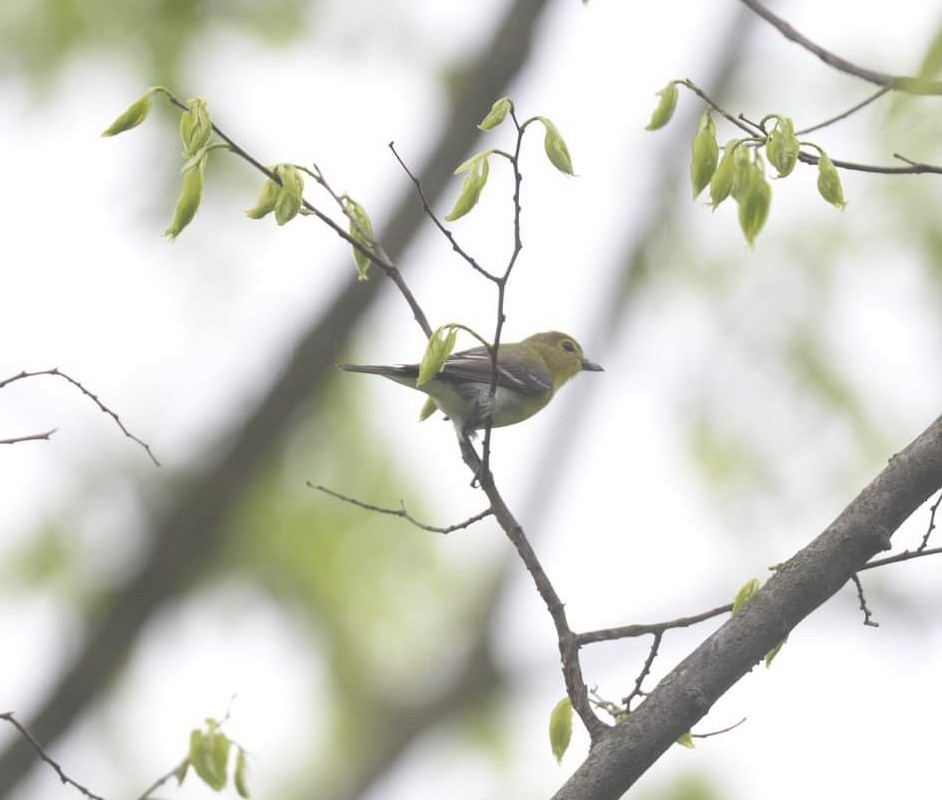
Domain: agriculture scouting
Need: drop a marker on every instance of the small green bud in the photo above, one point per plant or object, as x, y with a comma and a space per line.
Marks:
195, 126
209, 755
747, 590
189, 201
439, 347
742, 171
829, 182
782, 147
665, 107
754, 204
478, 169
132, 116
180, 772
555, 147
266, 200
560, 728
497, 114
770, 656
361, 229
291, 196
705, 155
721, 184
686, 740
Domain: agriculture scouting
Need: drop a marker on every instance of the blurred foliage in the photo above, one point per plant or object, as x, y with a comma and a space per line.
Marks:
157, 37
687, 786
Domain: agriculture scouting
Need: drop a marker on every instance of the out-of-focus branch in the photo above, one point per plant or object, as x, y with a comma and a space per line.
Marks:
187, 535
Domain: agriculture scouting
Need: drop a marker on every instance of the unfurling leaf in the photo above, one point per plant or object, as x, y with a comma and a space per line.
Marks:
686, 740
754, 202
742, 171
665, 107
290, 198
747, 590
782, 147
189, 201
560, 728
180, 772
195, 126
238, 778
133, 115
774, 652
497, 114
266, 200
705, 155
209, 755
721, 184
478, 170
439, 347
361, 229
829, 182
555, 147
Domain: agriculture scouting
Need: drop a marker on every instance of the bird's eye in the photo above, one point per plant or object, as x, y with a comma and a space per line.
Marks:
568, 345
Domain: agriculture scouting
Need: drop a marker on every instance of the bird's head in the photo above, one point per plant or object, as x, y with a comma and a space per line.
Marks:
562, 355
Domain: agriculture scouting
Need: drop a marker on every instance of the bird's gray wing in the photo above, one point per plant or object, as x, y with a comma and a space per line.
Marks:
475, 365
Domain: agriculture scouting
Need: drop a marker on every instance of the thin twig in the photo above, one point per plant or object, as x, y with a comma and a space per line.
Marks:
90, 395
161, 781
632, 631
868, 617
43, 755
845, 114
909, 85
932, 512
469, 259
401, 512
719, 732
906, 555
30, 437
645, 671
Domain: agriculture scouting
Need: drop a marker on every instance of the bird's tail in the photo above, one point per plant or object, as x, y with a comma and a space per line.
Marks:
403, 373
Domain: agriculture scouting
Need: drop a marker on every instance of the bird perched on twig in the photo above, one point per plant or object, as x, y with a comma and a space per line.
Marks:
529, 373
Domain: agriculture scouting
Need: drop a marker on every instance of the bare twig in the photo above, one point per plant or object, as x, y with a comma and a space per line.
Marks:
910, 85
161, 781
932, 512
845, 114
645, 671
631, 631
30, 437
90, 395
719, 732
401, 512
868, 617
469, 259
906, 555
9, 717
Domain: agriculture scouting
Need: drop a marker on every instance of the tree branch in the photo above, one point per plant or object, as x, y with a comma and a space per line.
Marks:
910, 85
797, 588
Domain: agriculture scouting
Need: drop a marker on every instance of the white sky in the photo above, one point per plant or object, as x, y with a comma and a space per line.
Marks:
179, 338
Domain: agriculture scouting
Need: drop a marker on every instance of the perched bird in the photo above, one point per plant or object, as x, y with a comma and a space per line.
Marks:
529, 373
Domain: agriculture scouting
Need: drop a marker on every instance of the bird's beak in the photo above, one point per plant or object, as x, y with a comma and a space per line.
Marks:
591, 366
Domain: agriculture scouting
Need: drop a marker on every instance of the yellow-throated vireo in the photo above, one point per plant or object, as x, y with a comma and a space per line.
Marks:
529, 373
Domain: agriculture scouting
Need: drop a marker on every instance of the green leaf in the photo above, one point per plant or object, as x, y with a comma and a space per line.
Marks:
180, 772
782, 147
195, 126
742, 171
189, 200
497, 114
686, 740
754, 203
555, 147
560, 728
428, 409
266, 200
774, 652
829, 182
665, 107
747, 590
241, 767
439, 347
721, 184
132, 116
704, 156
361, 229
290, 198
478, 170
209, 755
